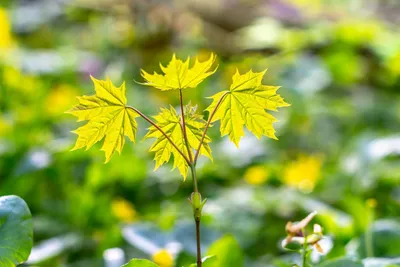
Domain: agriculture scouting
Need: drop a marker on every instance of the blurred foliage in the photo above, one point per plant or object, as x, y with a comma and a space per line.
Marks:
338, 63
227, 252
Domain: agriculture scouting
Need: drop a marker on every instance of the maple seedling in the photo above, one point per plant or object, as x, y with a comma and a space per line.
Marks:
180, 135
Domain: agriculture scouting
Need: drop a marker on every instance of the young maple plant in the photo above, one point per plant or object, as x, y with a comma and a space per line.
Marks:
180, 134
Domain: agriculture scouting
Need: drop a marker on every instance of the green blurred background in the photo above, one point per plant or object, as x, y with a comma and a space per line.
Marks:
338, 63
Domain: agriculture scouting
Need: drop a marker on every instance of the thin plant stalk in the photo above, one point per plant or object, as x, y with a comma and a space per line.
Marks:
197, 220
197, 217
192, 165
189, 159
183, 125
305, 252
193, 168
199, 263
207, 126
161, 131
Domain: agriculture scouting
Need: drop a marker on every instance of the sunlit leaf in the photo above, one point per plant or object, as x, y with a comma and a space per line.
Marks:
169, 121
140, 263
227, 252
245, 103
108, 117
209, 261
178, 74
16, 234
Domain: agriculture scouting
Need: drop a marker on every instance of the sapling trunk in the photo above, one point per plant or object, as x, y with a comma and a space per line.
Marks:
195, 200
198, 243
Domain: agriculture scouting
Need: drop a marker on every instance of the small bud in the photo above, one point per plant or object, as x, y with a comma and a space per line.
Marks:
197, 204
196, 200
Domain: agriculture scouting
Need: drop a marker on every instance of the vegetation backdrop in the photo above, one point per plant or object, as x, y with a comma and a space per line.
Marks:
338, 65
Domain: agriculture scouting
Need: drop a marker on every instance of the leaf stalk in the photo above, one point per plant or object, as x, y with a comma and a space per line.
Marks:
196, 203
183, 125
207, 126
304, 253
161, 131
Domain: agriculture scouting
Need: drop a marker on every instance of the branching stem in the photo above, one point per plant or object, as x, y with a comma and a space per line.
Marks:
183, 125
195, 186
190, 160
197, 217
161, 131
207, 126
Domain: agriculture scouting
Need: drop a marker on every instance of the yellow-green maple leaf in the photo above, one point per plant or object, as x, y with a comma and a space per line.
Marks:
245, 103
178, 75
108, 117
170, 122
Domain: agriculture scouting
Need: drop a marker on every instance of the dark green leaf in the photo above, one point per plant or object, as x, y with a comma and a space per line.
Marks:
385, 240
16, 234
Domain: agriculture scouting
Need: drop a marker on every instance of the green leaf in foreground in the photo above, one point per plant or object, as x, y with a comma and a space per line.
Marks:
341, 262
209, 261
140, 263
16, 234
227, 252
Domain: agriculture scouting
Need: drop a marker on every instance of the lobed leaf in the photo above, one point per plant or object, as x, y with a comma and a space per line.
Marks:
178, 75
245, 104
108, 117
170, 122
